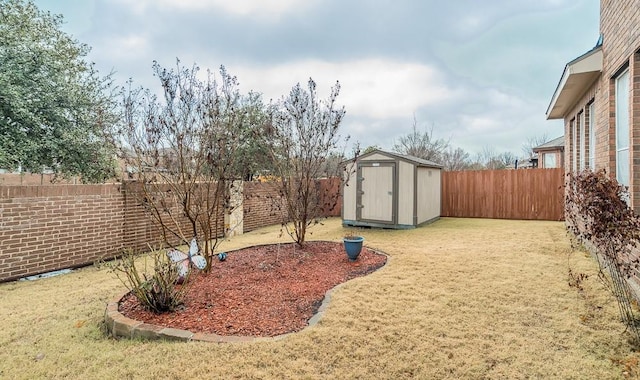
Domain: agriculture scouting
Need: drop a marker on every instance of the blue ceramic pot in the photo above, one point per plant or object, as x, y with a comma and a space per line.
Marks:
353, 246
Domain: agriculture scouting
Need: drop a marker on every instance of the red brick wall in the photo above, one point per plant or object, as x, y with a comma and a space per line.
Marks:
634, 70
574, 116
140, 229
26, 179
263, 205
619, 20
46, 228
328, 188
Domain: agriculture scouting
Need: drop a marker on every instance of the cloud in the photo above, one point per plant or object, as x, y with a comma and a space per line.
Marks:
377, 88
253, 8
480, 73
257, 7
121, 46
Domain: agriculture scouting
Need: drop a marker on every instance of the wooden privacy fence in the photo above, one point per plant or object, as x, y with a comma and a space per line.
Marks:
535, 194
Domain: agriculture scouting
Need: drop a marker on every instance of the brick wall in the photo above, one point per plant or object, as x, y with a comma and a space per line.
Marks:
574, 117
26, 179
263, 205
621, 48
141, 230
634, 69
331, 206
46, 228
619, 20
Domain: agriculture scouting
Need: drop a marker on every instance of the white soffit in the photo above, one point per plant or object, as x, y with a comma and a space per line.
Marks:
577, 77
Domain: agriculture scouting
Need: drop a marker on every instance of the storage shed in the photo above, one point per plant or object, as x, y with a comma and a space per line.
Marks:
391, 190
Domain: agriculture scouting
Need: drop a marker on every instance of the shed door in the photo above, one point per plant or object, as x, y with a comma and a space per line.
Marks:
375, 190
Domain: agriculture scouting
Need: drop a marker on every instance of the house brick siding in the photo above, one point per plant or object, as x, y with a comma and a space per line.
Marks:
634, 109
581, 107
619, 21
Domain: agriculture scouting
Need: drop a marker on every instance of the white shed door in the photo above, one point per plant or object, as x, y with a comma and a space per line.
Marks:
376, 186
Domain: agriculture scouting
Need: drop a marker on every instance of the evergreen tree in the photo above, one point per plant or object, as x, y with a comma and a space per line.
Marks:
55, 110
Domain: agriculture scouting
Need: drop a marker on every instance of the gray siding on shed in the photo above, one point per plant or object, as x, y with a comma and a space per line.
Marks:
414, 186
429, 192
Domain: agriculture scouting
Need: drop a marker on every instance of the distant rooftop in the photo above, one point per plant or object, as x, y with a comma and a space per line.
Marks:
555, 143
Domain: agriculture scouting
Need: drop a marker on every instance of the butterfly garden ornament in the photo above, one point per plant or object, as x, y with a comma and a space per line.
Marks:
184, 261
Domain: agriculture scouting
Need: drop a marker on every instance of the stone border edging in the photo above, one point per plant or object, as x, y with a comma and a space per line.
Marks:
120, 326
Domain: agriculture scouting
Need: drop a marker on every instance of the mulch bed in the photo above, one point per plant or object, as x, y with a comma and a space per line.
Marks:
263, 291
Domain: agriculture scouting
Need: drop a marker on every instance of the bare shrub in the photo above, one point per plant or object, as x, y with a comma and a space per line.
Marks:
182, 152
153, 285
304, 146
598, 215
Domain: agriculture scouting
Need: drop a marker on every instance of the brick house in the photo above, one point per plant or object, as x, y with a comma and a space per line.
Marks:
551, 153
598, 97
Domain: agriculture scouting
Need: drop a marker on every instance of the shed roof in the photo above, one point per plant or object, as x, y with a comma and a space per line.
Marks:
404, 157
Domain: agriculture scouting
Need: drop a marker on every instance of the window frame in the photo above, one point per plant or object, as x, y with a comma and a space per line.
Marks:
574, 147
622, 127
592, 135
551, 155
582, 152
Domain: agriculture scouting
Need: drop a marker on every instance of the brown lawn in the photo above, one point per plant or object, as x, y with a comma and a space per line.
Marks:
460, 298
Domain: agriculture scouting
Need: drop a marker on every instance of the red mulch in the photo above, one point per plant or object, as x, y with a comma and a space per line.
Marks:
261, 291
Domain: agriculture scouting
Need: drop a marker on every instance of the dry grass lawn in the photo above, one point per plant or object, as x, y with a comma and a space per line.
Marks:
458, 299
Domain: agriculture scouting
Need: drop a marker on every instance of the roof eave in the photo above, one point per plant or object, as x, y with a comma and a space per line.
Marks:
577, 77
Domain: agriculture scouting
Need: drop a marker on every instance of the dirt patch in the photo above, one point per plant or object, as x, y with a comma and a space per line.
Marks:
264, 291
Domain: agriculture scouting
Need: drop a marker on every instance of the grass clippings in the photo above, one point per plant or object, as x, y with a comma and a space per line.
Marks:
458, 299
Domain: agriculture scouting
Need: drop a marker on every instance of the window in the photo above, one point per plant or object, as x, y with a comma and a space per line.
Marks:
592, 136
581, 137
574, 145
549, 160
622, 128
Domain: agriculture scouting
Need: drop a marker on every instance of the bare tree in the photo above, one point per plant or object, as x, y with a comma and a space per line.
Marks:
532, 142
182, 150
455, 159
302, 137
421, 144
490, 159
507, 158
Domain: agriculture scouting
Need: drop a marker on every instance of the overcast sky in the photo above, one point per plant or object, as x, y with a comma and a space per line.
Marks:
481, 73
